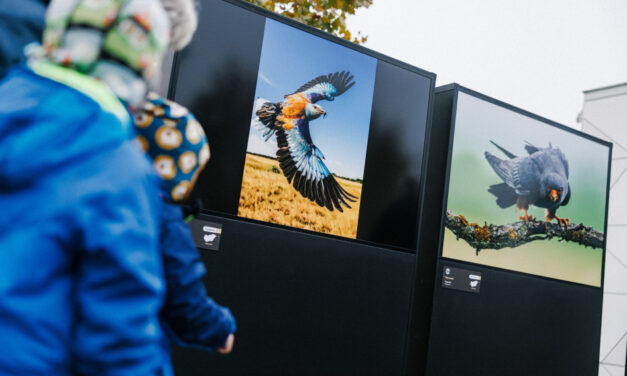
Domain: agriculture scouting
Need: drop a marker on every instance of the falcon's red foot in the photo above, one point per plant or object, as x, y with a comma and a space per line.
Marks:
561, 221
527, 217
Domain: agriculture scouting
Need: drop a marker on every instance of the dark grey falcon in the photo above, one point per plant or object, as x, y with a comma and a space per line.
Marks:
539, 179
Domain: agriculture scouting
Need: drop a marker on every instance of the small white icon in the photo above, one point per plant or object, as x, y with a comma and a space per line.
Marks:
210, 229
210, 238
447, 271
477, 277
474, 284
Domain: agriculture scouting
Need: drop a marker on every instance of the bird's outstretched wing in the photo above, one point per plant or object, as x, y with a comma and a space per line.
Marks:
518, 173
302, 164
327, 86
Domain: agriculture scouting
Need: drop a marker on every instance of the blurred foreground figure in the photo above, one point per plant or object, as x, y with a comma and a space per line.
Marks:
81, 279
177, 145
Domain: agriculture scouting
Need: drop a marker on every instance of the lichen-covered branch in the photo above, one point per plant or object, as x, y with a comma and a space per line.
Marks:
519, 233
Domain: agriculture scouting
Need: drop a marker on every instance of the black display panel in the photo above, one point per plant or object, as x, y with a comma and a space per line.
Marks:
306, 130
518, 325
304, 304
493, 313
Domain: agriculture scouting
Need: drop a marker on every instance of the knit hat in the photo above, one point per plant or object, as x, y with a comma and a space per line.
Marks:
175, 142
121, 42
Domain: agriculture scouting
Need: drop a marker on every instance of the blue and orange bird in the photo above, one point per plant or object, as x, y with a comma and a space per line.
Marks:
299, 158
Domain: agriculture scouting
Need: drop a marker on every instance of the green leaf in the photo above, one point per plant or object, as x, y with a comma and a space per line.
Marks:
326, 15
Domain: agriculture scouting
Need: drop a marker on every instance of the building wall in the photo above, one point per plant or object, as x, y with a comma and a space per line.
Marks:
604, 115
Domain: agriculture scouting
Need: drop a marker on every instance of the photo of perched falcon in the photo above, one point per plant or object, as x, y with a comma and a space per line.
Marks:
539, 179
299, 158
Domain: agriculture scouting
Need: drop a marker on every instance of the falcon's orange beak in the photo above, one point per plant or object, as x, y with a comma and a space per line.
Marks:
553, 195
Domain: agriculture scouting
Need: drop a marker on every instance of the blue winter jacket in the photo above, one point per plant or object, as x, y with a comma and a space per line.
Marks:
81, 279
190, 317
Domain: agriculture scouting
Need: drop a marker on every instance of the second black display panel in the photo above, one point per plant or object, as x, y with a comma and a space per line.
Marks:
518, 284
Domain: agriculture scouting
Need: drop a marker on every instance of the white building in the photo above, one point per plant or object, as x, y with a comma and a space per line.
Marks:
604, 115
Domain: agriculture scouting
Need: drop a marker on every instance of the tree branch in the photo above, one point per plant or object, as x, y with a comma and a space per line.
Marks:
518, 233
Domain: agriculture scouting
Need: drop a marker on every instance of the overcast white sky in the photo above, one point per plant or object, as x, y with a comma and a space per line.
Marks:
535, 54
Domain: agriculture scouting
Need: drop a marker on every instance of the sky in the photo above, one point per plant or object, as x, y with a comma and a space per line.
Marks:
535, 54
289, 59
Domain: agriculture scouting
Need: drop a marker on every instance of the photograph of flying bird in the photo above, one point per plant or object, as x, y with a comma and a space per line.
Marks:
300, 160
539, 179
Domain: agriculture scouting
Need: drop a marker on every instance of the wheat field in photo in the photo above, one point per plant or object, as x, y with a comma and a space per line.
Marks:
267, 196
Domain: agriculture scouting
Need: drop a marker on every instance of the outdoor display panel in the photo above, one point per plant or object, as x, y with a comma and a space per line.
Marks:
312, 197
525, 194
306, 131
514, 295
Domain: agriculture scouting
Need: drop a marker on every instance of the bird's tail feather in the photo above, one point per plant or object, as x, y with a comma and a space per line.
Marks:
265, 116
316, 152
505, 195
509, 154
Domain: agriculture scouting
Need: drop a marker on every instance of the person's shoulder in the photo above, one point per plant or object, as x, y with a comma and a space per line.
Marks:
34, 95
49, 129
23, 91
29, 98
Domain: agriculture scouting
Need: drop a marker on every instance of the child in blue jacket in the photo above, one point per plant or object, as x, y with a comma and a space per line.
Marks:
178, 148
81, 279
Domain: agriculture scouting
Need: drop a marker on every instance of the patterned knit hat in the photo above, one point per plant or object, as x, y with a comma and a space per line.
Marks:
175, 141
121, 42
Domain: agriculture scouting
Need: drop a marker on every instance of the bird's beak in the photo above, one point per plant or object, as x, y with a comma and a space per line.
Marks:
324, 114
553, 195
